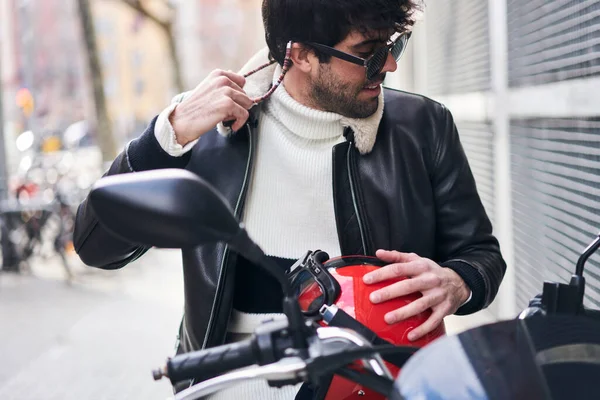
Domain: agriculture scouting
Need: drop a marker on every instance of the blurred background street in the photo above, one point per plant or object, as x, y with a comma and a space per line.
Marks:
79, 79
97, 337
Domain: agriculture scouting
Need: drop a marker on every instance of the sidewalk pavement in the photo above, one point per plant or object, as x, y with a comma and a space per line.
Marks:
98, 337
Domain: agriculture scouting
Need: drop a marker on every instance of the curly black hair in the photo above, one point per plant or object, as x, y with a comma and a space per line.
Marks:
328, 22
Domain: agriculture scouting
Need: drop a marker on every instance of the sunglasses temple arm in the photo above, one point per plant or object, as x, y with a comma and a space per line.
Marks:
287, 63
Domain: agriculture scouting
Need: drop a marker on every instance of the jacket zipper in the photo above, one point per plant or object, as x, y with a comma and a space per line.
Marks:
237, 212
354, 199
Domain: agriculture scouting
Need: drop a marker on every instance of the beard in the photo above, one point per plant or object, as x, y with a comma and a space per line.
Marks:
333, 95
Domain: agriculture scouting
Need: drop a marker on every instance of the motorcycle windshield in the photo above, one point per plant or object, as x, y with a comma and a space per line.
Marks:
440, 371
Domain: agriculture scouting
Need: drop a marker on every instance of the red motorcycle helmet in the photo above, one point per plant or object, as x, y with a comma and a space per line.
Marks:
319, 281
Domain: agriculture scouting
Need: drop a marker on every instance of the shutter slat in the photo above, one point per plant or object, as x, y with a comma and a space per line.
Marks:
478, 142
458, 46
552, 40
555, 167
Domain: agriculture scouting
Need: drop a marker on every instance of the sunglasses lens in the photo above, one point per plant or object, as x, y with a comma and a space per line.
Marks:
376, 63
308, 291
399, 47
379, 58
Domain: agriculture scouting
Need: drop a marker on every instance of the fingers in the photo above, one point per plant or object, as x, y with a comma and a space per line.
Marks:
240, 98
239, 80
419, 284
235, 105
396, 270
395, 256
224, 82
225, 86
237, 113
434, 320
231, 84
216, 99
416, 307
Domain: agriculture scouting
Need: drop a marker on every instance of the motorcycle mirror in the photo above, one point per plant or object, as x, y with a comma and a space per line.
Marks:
175, 208
168, 208
563, 298
591, 249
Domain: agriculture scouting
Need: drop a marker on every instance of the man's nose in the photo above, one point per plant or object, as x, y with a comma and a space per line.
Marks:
390, 64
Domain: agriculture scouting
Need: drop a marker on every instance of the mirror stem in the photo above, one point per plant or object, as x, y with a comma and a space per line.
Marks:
246, 247
586, 254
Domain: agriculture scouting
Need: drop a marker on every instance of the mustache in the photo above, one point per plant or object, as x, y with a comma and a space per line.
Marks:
378, 78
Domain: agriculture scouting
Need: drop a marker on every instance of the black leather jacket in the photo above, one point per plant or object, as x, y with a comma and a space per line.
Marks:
414, 192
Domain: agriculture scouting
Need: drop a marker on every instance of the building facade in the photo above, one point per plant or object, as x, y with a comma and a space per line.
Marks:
136, 67
522, 79
215, 34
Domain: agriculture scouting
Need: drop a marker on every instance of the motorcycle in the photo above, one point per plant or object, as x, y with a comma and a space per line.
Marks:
551, 351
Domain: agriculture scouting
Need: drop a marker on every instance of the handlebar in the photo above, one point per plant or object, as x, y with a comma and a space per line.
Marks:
329, 350
346, 337
214, 361
269, 344
287, 369
537, 307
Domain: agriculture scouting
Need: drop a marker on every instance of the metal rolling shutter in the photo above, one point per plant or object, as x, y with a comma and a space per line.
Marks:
458, 46
478, 141
552, 40
556, 201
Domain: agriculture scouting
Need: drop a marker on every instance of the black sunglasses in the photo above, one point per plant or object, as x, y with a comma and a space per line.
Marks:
375, 62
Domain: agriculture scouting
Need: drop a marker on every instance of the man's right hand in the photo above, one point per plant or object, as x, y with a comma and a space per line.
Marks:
217, 98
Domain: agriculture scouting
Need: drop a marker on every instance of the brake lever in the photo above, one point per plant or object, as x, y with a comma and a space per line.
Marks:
353, 339
368, 379
330, 363
288, 370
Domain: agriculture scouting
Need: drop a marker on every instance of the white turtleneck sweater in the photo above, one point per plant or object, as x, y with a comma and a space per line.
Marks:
289, 208
290, 202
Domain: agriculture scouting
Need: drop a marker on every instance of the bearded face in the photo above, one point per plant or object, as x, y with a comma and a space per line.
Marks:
339, 93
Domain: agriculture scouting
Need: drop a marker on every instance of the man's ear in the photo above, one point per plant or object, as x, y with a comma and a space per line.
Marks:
303, 58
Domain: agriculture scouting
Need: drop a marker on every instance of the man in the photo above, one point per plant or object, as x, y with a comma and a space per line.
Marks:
326, 160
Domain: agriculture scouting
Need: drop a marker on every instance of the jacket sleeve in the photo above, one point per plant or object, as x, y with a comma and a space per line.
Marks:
465, 242
95, 245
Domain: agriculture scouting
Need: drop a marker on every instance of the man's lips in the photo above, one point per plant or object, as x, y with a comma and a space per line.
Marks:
372, 86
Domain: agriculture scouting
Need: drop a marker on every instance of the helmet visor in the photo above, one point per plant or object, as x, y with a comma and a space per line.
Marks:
309, 292
312, 284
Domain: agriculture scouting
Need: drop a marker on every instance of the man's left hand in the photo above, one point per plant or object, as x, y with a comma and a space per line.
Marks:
443, 290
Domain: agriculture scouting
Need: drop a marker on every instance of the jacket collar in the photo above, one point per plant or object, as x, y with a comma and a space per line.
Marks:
365, 129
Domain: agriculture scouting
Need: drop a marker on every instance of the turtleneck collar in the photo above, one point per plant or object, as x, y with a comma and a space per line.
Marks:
303, 121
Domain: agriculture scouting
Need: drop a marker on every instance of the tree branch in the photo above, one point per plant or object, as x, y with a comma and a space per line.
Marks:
167, 27
138, 6
105, 138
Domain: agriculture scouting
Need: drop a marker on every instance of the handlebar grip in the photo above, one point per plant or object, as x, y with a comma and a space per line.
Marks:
208, 363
